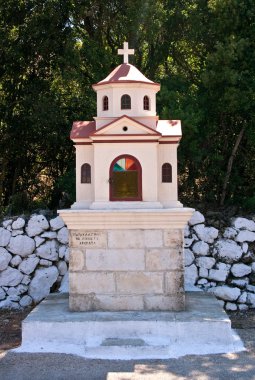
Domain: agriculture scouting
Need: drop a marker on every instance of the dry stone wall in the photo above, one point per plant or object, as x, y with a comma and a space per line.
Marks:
221, 262
34, 257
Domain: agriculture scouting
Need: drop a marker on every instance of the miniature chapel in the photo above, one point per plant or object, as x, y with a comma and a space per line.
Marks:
126, 226
126, 157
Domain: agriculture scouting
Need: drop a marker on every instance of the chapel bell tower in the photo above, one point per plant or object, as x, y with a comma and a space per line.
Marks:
126, 157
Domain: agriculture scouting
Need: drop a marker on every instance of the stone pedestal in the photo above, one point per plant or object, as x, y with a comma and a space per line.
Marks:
123, 260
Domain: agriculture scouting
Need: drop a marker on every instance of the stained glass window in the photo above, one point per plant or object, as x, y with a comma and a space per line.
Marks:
166, 172
125, 164
85, 173
146, 103
125, 102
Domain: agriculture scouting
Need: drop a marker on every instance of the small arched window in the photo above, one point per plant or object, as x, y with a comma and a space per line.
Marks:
105, 103
146, 103
166, 172
86, 173
125, 102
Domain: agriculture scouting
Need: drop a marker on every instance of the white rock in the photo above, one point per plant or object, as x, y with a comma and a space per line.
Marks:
5, 236
187, 242
206, 234
5, 258
191, 275
57, 223
231, 306
17, 232
64, 288
62, 251
36, 225
228, 250
218, 275
240, 283
63, 235
226, 293
186, 231
251, 288
205, 262
230, 233
8, 304
12, 291
45, 263
240, 270
201, 248
223, 266
25, 301
253, 267
16, 291
202, 281
18, 224
245, 236
242, 298
39, 241
196, 218
243, 223
21, 245
203, 272
7, 223
15, 261
251, 299
243, 307
28, 265
10, 277
26, 279
67, 252
62, 267
245, 247
48, 250
49, 235
2, 294
188, 257
43, 280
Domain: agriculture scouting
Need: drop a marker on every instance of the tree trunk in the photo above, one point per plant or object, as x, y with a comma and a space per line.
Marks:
230, 165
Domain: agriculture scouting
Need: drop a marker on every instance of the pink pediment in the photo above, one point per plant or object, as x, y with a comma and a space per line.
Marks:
117, 127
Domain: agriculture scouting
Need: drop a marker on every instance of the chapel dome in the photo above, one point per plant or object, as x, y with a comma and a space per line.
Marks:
125, 73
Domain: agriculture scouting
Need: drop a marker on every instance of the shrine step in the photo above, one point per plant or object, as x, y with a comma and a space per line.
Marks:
203, 328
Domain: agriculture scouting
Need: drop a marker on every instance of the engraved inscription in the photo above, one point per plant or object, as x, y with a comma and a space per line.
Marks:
88, 239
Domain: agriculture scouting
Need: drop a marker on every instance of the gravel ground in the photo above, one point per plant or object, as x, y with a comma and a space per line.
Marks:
15, 366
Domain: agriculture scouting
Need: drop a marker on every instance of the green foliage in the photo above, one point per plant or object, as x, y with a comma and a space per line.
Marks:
201, 51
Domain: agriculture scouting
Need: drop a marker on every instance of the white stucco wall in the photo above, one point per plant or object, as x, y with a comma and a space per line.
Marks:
167, 192
146, 154
84, 191
135, 91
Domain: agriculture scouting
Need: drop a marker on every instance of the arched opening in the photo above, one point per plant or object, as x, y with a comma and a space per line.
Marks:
146, 103
166, 172
125, 180
105, 103
86, 173
125, 102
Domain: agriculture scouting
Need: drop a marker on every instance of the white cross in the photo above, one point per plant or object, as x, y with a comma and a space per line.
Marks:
126, 52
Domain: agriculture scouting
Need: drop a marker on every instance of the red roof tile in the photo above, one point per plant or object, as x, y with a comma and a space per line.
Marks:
82, 129
125, 73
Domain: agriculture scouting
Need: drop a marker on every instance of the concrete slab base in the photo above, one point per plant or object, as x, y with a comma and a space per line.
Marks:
203, 328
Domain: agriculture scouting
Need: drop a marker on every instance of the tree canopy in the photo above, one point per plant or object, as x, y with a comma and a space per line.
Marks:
201, 51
